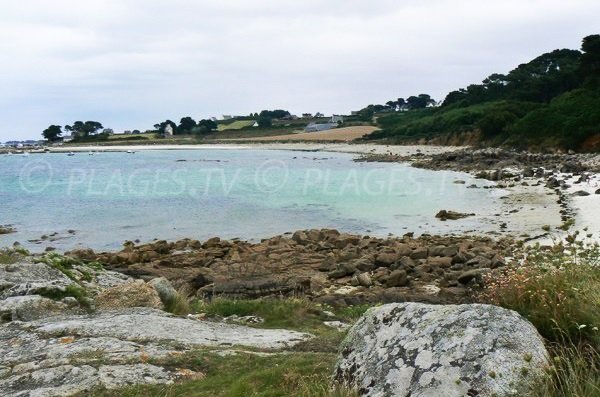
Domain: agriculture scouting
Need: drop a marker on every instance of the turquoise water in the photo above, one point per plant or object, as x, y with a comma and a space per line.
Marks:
102, 200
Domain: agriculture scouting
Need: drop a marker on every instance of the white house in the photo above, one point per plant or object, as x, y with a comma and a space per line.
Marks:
168, 130
336, 119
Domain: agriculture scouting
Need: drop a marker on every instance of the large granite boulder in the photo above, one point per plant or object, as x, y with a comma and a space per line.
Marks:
418, 350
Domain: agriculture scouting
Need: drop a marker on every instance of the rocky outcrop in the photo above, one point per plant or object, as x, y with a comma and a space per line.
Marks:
419, 350
445, 215
319, 264
6, 229
134, 294
67, 355
26, 278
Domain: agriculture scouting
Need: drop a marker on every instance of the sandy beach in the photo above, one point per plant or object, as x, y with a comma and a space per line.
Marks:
362, 148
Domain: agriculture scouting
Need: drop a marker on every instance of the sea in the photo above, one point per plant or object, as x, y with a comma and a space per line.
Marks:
100, 200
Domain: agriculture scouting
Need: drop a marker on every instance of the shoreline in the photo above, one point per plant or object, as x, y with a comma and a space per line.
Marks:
529, 201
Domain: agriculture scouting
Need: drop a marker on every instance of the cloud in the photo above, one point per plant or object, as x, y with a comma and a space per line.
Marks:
131, 63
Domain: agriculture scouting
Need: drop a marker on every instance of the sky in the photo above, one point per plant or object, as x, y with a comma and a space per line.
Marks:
132, 63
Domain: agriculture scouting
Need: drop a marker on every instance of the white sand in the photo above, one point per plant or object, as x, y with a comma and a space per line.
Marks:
301, 146
587, 208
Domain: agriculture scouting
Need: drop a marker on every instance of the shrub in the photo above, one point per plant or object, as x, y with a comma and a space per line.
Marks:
557, 289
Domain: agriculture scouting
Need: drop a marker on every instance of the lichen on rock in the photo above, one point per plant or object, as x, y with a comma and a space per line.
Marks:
418, 350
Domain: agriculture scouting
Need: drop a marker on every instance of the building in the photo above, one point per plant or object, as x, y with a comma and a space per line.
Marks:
168, 130
67, 138
336, 118
314, 127
307, 115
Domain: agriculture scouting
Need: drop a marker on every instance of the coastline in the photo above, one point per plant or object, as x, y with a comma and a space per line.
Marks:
531, 210
529, 203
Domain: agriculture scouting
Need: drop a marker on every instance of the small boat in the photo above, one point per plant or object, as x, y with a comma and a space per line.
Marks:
130, 152
90, 153
70, 154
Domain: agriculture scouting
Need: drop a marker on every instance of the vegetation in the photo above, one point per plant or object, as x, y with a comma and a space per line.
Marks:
554, 100
306, 372
235, 125
248, 374
52, 133
557, 289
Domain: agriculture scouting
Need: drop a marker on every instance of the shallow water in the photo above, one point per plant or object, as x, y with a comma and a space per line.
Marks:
108, 198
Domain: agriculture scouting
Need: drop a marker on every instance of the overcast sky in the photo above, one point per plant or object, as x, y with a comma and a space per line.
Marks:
132, 63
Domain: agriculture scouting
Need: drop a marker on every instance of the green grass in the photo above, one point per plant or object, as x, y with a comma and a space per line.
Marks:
9, 256
180, 305
305, 372
243, 375
129, 137
298, 314
236, 125
575, 372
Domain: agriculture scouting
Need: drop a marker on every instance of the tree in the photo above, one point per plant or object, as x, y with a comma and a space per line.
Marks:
590, 59
274, 114
420, 102
391, 104
160, 127
208, 124
186, 125
52, 133
81, 129
264, 121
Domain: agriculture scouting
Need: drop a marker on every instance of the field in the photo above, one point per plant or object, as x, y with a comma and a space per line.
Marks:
236, 125
344, 134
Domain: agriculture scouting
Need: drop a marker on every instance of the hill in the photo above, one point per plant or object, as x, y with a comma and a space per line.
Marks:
551, 102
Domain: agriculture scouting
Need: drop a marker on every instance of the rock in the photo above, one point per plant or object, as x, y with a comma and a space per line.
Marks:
364, 279
244, 319
26, 278
441, 250
6, 229
146, 324
397, 278
165, 290
385, 259
338, 325
468, 276
598, 191
73, 355
85, 254
134, 294
420, 253
405, 262
413, 349
33, 307
440, 261
445, 215
581, 193
528, 172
